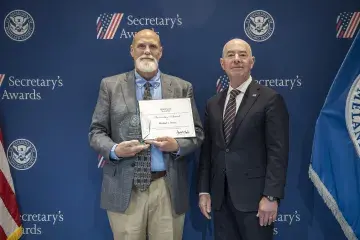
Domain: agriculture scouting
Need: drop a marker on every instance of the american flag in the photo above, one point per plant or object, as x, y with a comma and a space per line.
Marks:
222, 83
107, 25
2, 77
347, 24
10, 223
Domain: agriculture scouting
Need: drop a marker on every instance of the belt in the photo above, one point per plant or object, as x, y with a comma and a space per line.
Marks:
157, 175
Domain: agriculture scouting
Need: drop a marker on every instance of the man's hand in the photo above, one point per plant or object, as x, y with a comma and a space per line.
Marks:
129, 148
205, 205
165, 144
267, 211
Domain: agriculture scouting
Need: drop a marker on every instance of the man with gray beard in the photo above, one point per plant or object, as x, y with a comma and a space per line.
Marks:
144, 188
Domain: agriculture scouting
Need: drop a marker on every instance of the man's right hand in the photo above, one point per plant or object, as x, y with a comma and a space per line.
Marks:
129, 148
205, 205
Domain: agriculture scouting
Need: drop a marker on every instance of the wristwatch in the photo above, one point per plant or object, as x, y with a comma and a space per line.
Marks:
272, 199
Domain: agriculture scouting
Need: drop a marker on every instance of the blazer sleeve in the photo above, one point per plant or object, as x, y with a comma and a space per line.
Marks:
205, 158
277, 146
100, 128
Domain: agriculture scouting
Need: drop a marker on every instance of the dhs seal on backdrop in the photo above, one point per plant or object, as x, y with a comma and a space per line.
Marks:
19, 25
352, 113
22, 154
259, 25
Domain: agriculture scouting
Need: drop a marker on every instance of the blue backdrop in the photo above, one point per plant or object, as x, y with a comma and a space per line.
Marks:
54, 54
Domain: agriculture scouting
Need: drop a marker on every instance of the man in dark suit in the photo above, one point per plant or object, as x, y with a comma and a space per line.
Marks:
244, 156
145, 186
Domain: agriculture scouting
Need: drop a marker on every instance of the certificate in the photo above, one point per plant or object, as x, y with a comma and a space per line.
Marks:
166, 117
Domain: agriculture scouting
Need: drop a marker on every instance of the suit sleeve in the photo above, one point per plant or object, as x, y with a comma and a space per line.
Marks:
277, 146
99, 134
189, 145
205, 158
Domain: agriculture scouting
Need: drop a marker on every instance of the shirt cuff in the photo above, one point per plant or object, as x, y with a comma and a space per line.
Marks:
203, 193
113, 154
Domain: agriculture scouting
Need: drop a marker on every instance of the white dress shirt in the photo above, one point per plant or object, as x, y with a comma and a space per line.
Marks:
239, 98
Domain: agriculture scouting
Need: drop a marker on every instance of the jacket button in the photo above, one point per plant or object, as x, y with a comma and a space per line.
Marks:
133, 164
227, 150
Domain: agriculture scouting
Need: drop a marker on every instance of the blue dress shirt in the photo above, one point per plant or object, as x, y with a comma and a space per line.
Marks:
157, 159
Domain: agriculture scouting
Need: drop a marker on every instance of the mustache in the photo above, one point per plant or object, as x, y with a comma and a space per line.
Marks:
147, 57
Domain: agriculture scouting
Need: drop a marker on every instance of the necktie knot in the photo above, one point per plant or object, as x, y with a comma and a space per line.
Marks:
147, 85
234, 93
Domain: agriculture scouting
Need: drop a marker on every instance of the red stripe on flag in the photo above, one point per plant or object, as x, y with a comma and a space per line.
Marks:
98, 26
2, 234
9, 199
110, 30
118, 20
351, 23
2, 77
338, 25
111, 27
341, 33
354, 24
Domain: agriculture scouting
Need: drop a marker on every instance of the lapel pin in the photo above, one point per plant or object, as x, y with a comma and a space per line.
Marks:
254, 95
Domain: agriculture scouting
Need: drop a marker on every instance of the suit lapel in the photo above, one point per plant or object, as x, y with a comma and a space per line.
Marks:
250, 96
220, 105
128, 90
166, 87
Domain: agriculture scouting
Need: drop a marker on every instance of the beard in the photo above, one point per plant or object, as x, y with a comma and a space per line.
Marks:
146, 65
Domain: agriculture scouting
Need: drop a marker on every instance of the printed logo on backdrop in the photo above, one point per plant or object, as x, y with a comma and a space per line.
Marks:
352, 113
22, 154
35, 223
25, 88
19, 25
120, 25
291, 82
289, 219
347, 24
259, 25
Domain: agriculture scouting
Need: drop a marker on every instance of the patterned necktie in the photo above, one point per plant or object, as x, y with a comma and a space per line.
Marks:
142, 171
230, 114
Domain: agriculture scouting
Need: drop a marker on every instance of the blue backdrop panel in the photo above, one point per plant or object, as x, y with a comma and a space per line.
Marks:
54, 54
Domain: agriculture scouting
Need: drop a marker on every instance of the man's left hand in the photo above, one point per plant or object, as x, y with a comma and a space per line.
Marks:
267, 211
165, 144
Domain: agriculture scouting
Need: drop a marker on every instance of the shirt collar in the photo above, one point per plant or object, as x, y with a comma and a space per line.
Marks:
140, 81
242, 87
